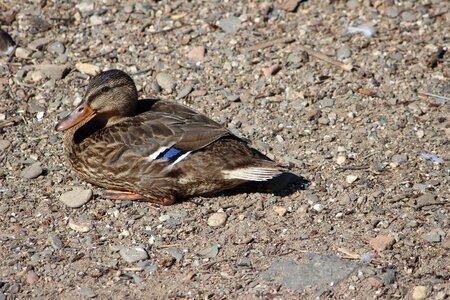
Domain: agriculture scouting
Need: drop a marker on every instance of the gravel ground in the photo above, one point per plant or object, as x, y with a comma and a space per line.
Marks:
373, 221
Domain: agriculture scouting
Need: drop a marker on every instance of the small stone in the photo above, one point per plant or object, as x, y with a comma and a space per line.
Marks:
76, 198
374, 282
85, 6
87, 292
23, 52
382, 242
272, 70
217, 219
351, 178
343, 53
197, 53
280, 210
184, 91
56, 48
175, 253
55, 72
420, 292
290, 5
165, 81
426, 199
32, 277
393, 11
230, 25
311, 198
32, 171
133, 254
96, 20
318, 207
79, 226
87, 69
327, 102
39, 44
36, 76
340, 160
420, 134
210, 251
433, 236
446, 243
408, 16
4, 144
55, 241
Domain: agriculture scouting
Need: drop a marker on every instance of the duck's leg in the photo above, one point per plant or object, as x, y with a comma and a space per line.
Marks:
130, 196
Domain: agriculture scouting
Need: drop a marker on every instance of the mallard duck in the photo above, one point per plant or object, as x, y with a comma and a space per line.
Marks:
153, 150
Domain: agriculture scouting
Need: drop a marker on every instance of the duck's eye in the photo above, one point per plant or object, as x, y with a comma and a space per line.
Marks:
105, 89
80, 109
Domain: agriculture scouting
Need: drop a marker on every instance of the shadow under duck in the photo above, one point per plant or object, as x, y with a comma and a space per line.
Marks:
153, 150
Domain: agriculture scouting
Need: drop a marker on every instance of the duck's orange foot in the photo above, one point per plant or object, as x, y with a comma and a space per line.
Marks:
130, 196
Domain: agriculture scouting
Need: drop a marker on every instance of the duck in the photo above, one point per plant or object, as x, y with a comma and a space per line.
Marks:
154, 150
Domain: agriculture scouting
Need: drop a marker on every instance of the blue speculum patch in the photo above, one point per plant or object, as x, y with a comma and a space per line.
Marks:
171, 153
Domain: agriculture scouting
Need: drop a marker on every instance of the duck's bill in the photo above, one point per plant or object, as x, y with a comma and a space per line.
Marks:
80, 114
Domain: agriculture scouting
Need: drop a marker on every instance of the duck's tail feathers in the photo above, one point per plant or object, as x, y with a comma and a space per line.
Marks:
252, 173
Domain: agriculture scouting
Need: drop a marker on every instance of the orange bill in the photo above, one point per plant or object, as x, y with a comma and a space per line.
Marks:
81, 113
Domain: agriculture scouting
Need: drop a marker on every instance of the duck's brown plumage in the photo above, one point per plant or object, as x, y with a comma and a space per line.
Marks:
157, 149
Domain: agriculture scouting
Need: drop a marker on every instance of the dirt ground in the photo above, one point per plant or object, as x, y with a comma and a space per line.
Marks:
363, 117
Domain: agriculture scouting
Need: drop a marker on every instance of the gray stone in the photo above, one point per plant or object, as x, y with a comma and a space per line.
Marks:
165, 81
400, 158
426, 199
32, 171
393, 12
56, 48
311, 198
4, 144
186, 90
319, 272
175, 253
39, 44
55, 241
87, 292
76, 198
408, 16
230, 25
433, 236
343, 53
55, 72
327, 102
133, 254
217, 219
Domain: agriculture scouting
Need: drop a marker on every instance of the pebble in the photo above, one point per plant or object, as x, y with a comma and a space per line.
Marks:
85, 6
327, 102
165, 81
133, 254
6, 43
56, 48
217, 219
186, 90
55, 72
280, 210
420, 292
39, 44
76, 198
374, 282
36, 76
272, 70
343, 53
4, 144
87, 292
290, 5
351, 178
426, 199
79, 226
393, 12
87, 69
433, 236
55, 241
32, 171
210, 251
32, 277
197, 53
311, 198
318, 207
408, 16
230, 25
382, 242
23, 52
340, 160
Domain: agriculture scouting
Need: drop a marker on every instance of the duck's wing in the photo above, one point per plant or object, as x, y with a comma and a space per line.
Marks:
166, 132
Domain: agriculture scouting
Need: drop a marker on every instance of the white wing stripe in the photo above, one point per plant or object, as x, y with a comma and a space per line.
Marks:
155, 154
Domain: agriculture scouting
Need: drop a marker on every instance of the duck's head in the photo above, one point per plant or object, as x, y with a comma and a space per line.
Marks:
110, 96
